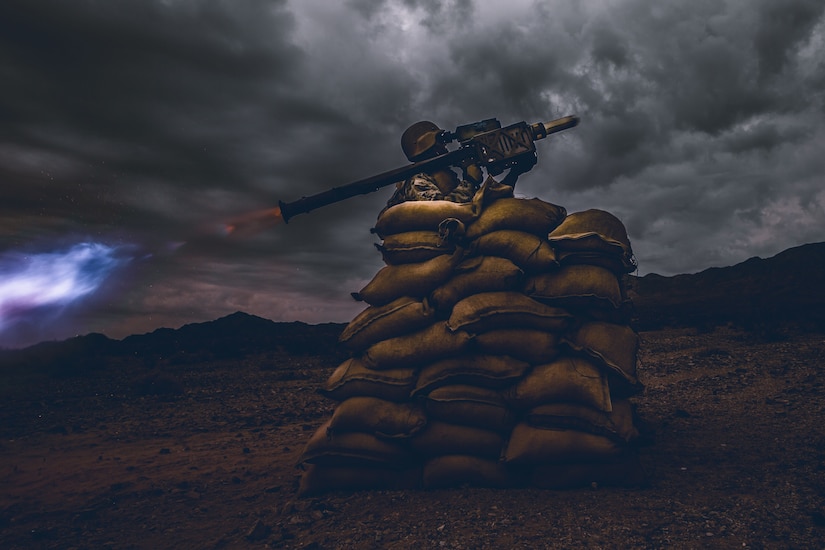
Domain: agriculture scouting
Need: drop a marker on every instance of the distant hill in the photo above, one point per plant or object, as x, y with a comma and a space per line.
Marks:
786, 288
234, 336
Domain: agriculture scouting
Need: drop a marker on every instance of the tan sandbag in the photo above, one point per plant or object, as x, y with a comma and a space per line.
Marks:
506, 309
616, 424
617, 264
413, 247
451, 230
576, 286
607, 231
624, 470
318, 479
421, 216
353, 378
529, 215
378, 416
614, 346
568, 380
376, 323
476, 275
530, 252
470, 406
442, 438
594, 231
490, 191
353, 449
416, 280
487, 371
461, 470
417, 348
529, 445
530, 345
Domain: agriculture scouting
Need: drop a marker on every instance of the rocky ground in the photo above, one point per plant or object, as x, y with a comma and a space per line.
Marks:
203, 456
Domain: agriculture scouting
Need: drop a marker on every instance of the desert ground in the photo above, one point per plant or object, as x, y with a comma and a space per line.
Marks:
203, 455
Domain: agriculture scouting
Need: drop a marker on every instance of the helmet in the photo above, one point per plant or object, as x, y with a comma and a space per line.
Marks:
420, 141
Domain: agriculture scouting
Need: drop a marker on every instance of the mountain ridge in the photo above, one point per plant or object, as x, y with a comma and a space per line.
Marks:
786, 287
232, 336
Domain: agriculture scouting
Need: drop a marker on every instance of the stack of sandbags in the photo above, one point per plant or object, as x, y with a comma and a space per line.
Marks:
575, 418
480, 359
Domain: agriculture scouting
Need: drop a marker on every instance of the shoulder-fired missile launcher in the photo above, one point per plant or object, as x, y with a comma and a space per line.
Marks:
484, 143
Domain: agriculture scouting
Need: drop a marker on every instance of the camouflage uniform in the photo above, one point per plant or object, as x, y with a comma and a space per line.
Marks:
422, 187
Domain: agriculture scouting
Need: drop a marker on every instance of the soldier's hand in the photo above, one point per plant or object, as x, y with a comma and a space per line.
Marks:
473, 174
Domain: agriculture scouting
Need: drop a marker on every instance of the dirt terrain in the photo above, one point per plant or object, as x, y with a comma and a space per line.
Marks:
202, 455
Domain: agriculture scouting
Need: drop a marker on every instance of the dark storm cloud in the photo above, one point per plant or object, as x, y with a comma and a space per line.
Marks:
780, 29
137, 76
150, 123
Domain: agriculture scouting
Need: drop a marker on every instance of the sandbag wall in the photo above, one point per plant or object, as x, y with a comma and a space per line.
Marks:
493, 352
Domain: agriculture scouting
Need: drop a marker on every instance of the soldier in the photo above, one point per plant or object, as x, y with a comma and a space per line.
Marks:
422, 141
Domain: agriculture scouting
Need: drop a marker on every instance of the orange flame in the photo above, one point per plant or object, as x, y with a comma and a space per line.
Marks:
253, 223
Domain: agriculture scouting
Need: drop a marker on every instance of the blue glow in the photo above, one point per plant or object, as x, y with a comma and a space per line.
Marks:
30, 281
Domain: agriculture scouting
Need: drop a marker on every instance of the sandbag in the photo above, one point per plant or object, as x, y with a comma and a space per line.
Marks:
451, 230
470, 406
417, 348
416, 280
413, 247
442, 438
506, 309
614, 346
421, 216
476, 275
619, 265
490, 191
318, 479
486, 371
616, 424
567, 380
591, 230
576, 286
354, 449
529, 215
464, 470
376, 323
624, 470
530, 445
530, 252
353, 378
530, 345
594, 231
377, 416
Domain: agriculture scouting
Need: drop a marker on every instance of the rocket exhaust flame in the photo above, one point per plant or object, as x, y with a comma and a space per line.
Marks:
32, 281
252, 223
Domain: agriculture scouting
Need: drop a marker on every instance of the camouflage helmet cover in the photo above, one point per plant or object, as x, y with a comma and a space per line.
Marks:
420, 140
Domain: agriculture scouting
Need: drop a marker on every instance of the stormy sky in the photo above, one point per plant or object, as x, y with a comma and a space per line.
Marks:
133, 129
